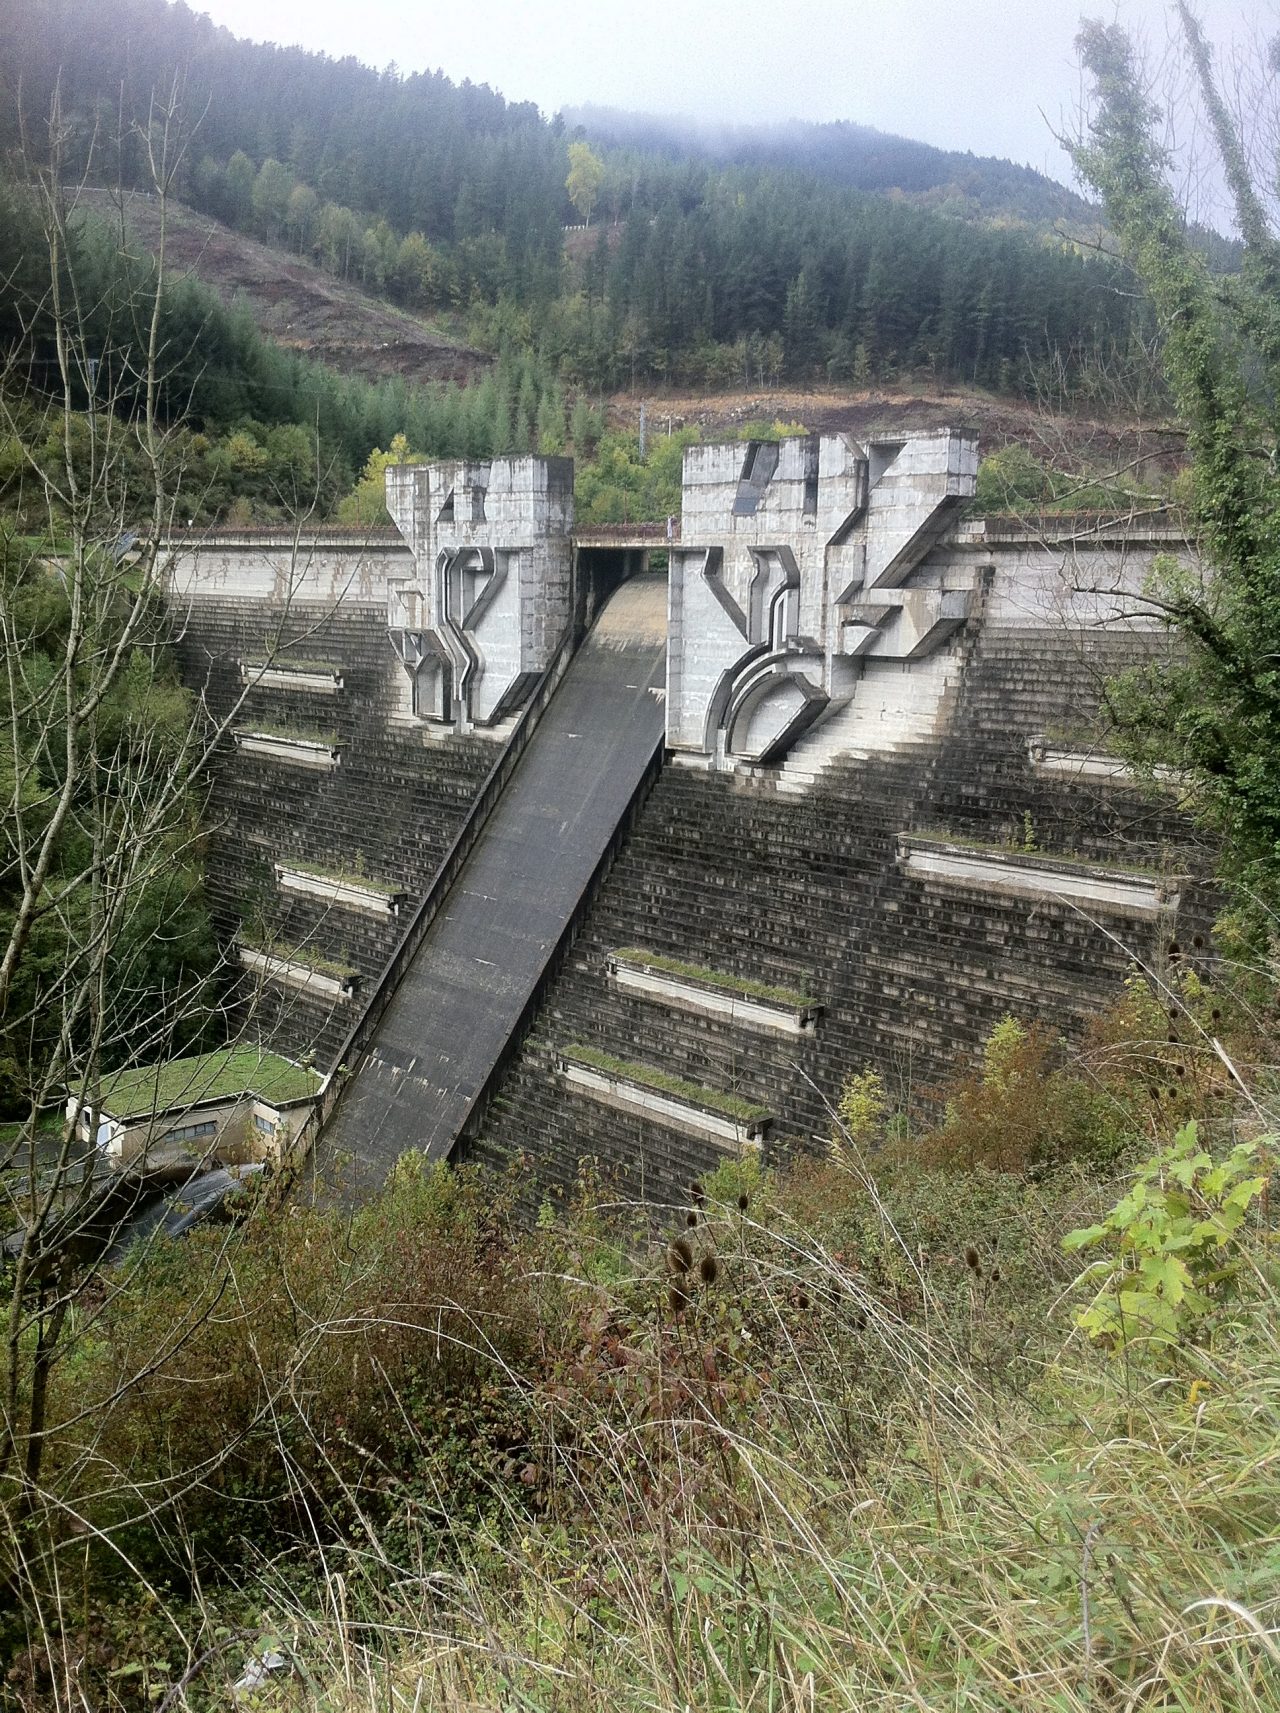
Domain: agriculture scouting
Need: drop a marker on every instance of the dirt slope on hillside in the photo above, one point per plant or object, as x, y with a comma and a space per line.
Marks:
297, 303
1076, 443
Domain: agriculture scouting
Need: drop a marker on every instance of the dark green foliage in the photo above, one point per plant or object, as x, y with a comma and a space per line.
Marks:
1013, 479
442, 197
162, 950
333, 1363
257, 427
853, 156
457, 163
1218, 719
709, 267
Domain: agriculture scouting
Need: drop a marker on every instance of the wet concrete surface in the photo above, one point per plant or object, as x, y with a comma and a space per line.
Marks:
466, 989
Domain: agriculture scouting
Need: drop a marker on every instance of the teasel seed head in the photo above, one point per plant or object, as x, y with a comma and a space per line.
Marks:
971, 1258
709, 1268
679, 1255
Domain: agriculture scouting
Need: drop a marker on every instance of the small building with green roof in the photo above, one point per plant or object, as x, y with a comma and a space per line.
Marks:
232, 1106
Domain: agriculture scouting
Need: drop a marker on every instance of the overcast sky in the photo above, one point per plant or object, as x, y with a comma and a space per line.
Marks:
967, 74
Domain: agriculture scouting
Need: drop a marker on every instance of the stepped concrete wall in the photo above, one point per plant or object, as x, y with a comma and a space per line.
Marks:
798, 876
885, 791
384, 814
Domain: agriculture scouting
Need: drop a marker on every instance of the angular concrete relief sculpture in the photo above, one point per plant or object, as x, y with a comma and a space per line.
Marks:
773, 690
797, 565
490, 598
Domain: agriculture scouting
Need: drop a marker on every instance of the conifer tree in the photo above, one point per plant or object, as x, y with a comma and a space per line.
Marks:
1217, 717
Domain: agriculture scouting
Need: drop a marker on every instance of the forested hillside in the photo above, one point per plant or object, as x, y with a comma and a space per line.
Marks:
855, 156
451, 200
252, 430
418, 150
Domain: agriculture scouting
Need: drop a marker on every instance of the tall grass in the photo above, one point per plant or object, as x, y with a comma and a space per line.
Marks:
833, 1440
800, 1486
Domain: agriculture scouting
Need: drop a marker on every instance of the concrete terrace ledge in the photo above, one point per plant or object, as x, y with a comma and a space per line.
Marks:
321, 753
1062, 880
348, 891
329, 982
1154, 525
317, 679
1092, 764
651, 1093
711, 993
270, 535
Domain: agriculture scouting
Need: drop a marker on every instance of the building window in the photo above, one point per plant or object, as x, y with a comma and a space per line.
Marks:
192, 1132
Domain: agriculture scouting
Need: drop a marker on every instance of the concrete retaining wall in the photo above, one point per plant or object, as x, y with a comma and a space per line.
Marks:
936, 838
804, 889
389, 810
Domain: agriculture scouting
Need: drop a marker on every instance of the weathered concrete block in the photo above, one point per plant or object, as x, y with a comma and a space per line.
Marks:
491, 593
790, 574
1013, 873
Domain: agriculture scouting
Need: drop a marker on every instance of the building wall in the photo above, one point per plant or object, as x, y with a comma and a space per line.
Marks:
235, 1132
490, 595
791, 576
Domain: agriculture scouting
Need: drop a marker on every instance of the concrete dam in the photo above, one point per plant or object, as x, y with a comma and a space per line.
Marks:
536, 853
464, 994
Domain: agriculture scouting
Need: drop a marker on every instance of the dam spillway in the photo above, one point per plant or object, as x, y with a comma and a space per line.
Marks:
469, 984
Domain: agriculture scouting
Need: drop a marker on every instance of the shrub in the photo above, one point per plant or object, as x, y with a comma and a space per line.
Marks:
319, 1365
1174, 1242
1020, 1112
864, 1107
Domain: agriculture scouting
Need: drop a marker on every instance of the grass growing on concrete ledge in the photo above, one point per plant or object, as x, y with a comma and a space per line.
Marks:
220, 1075
719, 979
289, 734
1078, 737
649, 1076
291, 663
342, 877
1035, 856
305, 957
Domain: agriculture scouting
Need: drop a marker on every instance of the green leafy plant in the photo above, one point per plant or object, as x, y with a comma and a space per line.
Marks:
1172, 1243
864, 1107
